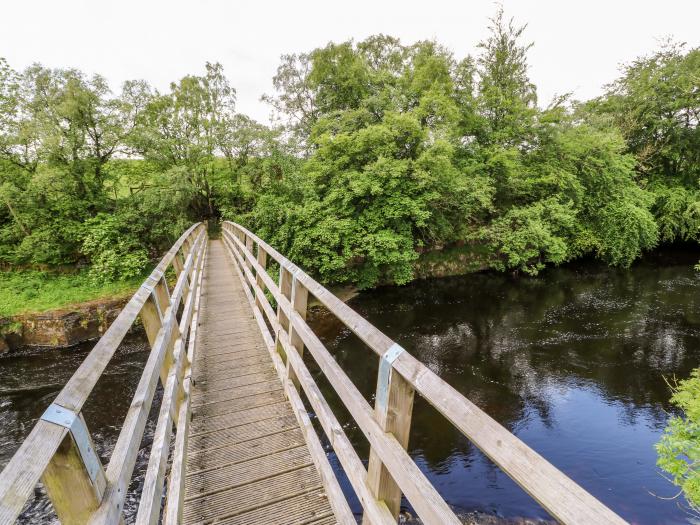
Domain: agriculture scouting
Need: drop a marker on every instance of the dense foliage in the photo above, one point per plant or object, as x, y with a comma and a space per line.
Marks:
381, 152
679, 448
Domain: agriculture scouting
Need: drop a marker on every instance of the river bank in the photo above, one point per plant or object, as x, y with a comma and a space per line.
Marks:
85, 320
56, 309
60, 328
86, 310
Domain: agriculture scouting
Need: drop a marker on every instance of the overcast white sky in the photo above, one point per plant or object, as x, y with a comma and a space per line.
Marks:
578, 45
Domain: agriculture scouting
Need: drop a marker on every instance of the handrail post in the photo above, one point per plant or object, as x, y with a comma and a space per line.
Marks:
177, 263
152, 317
393, 409
262, 261
74, 478
285, 287
299, 300
249, 248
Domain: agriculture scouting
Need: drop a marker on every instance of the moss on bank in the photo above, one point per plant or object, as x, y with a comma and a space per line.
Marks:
29, 291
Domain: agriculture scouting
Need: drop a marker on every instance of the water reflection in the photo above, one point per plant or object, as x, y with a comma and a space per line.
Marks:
573, 362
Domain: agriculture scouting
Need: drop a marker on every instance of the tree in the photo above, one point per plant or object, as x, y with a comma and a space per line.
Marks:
295, 101
656, 105
58, 130
507, 98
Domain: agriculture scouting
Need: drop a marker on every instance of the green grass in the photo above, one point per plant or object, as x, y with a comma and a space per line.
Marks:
29, 291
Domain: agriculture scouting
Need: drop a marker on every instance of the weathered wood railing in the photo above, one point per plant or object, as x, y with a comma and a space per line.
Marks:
391, 471
59, 450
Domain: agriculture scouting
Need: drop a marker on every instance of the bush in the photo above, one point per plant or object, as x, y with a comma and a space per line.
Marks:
679, 447
115, 252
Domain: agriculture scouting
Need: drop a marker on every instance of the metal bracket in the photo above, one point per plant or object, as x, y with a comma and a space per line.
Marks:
65, 418
385, 366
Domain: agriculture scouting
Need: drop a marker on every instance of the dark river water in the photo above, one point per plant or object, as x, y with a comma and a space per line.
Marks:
29, 382
573, 362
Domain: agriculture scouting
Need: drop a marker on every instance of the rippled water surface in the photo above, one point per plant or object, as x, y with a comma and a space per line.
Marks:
31, 380
572, 362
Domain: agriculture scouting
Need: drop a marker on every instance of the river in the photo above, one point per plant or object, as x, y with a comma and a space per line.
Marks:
574, 362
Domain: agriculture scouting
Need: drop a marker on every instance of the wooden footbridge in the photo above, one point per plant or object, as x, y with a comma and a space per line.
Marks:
233, 442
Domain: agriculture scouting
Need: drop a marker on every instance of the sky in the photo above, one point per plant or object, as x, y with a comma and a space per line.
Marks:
578, 46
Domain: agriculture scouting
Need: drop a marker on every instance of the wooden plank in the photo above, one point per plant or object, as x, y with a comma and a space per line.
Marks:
285, 288
246, 343
392, 410
234, 419
243, 431
200, 398
277, 440
337, 500
302, 509
375, 509
427, 502
122, 461
564, 500
227, 360
262, 263
176, 486
227, 383
240, 474
150, 502
151, 493
299, 300
236, 501
244, 361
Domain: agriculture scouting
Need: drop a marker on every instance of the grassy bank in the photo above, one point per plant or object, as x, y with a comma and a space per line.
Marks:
26, 291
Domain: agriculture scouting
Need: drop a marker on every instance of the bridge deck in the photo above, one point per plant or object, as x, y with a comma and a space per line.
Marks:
247, 459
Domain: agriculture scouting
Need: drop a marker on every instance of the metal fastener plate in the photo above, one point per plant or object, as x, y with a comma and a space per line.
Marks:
61, 416
385, 366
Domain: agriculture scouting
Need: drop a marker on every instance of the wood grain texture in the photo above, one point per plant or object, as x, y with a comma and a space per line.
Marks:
247, 459
246, 450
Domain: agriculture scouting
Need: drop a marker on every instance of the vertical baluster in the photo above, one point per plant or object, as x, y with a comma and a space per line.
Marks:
392, 409
299, 300
262, 261
249, 248
285, 286
177, 263
152, 317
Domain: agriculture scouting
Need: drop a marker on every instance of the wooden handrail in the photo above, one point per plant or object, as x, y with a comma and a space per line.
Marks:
428, 503
559, 495
86, 492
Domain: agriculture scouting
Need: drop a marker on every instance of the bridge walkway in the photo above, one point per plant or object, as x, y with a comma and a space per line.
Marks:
247, 459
